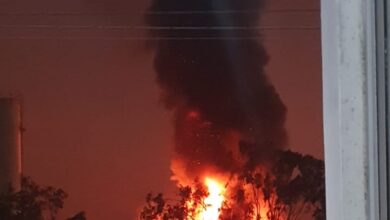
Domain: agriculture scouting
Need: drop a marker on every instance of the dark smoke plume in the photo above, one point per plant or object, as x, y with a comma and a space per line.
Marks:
212, 76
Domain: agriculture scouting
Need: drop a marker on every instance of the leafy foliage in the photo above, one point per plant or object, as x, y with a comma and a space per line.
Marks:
157, 207
294, 185
33, 202
290, 187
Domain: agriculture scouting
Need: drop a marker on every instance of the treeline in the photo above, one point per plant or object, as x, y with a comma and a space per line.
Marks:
34, 202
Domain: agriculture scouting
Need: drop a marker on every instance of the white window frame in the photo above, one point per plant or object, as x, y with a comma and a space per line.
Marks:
355, 134
383, 100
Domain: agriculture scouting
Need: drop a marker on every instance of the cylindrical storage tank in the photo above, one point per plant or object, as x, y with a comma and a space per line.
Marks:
10, 144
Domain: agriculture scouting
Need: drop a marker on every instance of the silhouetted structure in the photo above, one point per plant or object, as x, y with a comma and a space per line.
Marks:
10, 143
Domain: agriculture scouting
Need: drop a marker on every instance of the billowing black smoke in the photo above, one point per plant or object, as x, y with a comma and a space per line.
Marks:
210, 66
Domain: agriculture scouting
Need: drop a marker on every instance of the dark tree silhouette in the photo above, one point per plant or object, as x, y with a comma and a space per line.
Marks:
293, 185
33, 202
157, 207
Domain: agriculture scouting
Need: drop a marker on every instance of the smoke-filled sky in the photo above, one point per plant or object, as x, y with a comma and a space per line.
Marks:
95, 123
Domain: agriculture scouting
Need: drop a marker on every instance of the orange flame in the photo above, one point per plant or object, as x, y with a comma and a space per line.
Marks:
220, 189
214, 200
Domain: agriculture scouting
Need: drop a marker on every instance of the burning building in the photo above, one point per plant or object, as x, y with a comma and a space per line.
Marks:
10, 144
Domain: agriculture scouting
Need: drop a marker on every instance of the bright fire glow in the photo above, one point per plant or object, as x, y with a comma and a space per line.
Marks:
214, 200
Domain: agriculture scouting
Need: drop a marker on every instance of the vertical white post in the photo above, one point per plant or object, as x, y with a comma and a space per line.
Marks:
349, 109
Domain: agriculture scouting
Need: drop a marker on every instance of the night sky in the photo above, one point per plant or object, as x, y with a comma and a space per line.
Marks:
94, 122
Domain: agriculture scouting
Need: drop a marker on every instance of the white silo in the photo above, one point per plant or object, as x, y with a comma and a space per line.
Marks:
10, 143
